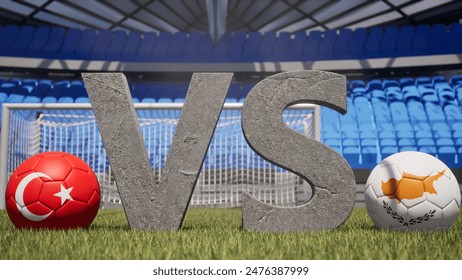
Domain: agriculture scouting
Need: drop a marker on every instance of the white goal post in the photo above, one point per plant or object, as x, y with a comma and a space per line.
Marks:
230, 166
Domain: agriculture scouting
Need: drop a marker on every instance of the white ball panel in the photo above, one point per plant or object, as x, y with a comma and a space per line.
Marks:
391, 216
424, 216
444, 188
450, 214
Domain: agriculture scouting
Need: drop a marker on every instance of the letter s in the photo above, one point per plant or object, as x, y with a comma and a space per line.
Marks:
328, 173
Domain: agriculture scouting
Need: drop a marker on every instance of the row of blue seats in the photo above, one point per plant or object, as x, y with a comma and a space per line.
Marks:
91, 44
369, 131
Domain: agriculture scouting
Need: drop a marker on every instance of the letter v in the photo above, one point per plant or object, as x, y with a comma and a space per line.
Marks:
146, 205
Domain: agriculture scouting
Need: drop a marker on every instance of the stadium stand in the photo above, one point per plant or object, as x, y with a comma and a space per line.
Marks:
92, 44
384, 116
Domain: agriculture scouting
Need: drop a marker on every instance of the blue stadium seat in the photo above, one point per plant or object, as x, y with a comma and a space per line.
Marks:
374, 84
455, 38
389, 41
398, 112
444, 142
281, 46
326, 45
8, 35
342, 44
416, 112
388, 142
177, 45
205, 48
265, 50
405, 39
421, 42
358, 43
448, 155
23, 40
411, 93
192, 42
102, 43
422, 134
236, 46
431, 150
310, 50
86, 43
438, 43
378, 95
220, 51
352, 154
70, 43
54, 43
251, 46
406, 81
296, 45
130, 49
39, 41
146, 46
369, 157
434, 112
374, 42
116, 45
388, 151
162, 46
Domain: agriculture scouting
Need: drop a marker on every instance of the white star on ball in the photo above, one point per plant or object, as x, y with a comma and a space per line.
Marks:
64, 194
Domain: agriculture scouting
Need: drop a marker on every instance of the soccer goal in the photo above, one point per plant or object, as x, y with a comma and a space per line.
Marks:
230, 166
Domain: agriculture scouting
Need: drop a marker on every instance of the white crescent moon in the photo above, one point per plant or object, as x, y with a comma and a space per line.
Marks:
19, 197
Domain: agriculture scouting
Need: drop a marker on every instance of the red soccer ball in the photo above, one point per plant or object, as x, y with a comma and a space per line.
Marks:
53, 190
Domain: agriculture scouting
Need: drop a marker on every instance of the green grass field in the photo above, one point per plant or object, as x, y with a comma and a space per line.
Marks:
218, 234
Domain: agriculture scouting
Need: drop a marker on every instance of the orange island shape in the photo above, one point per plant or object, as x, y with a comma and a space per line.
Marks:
410, 186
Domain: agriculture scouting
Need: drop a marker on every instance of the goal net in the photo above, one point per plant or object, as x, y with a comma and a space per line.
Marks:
230, 166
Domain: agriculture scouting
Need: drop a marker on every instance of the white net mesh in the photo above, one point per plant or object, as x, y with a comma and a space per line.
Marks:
230, 166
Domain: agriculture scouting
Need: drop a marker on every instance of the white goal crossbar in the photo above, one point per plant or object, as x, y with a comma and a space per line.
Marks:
219, 185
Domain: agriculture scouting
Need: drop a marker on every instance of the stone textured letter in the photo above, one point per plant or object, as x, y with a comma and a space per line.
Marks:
146, 205
327, 172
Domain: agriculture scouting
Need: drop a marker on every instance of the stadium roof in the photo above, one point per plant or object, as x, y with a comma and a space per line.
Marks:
218, 16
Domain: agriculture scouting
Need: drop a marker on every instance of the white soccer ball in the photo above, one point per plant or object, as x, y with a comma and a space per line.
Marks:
412, 191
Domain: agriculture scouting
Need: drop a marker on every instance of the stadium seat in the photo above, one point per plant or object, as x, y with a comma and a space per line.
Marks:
54, 42
454, 37
116, 45
130, 49
102, 43
389, 41
296, 45
146, 46
438, 43
448, 155
342, 44
326, 44
192, 42
8, 35
281, 46
416, 112
404, 41
236, 46
177, 45
38, 41
421, 41
434, 112
369, 157
358, 43
23, 40
352, 155
388, 151
251, 46
373, 42
205, 48
265, 50
310, 50
220, 51
398, 112
86, 43
162, 46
